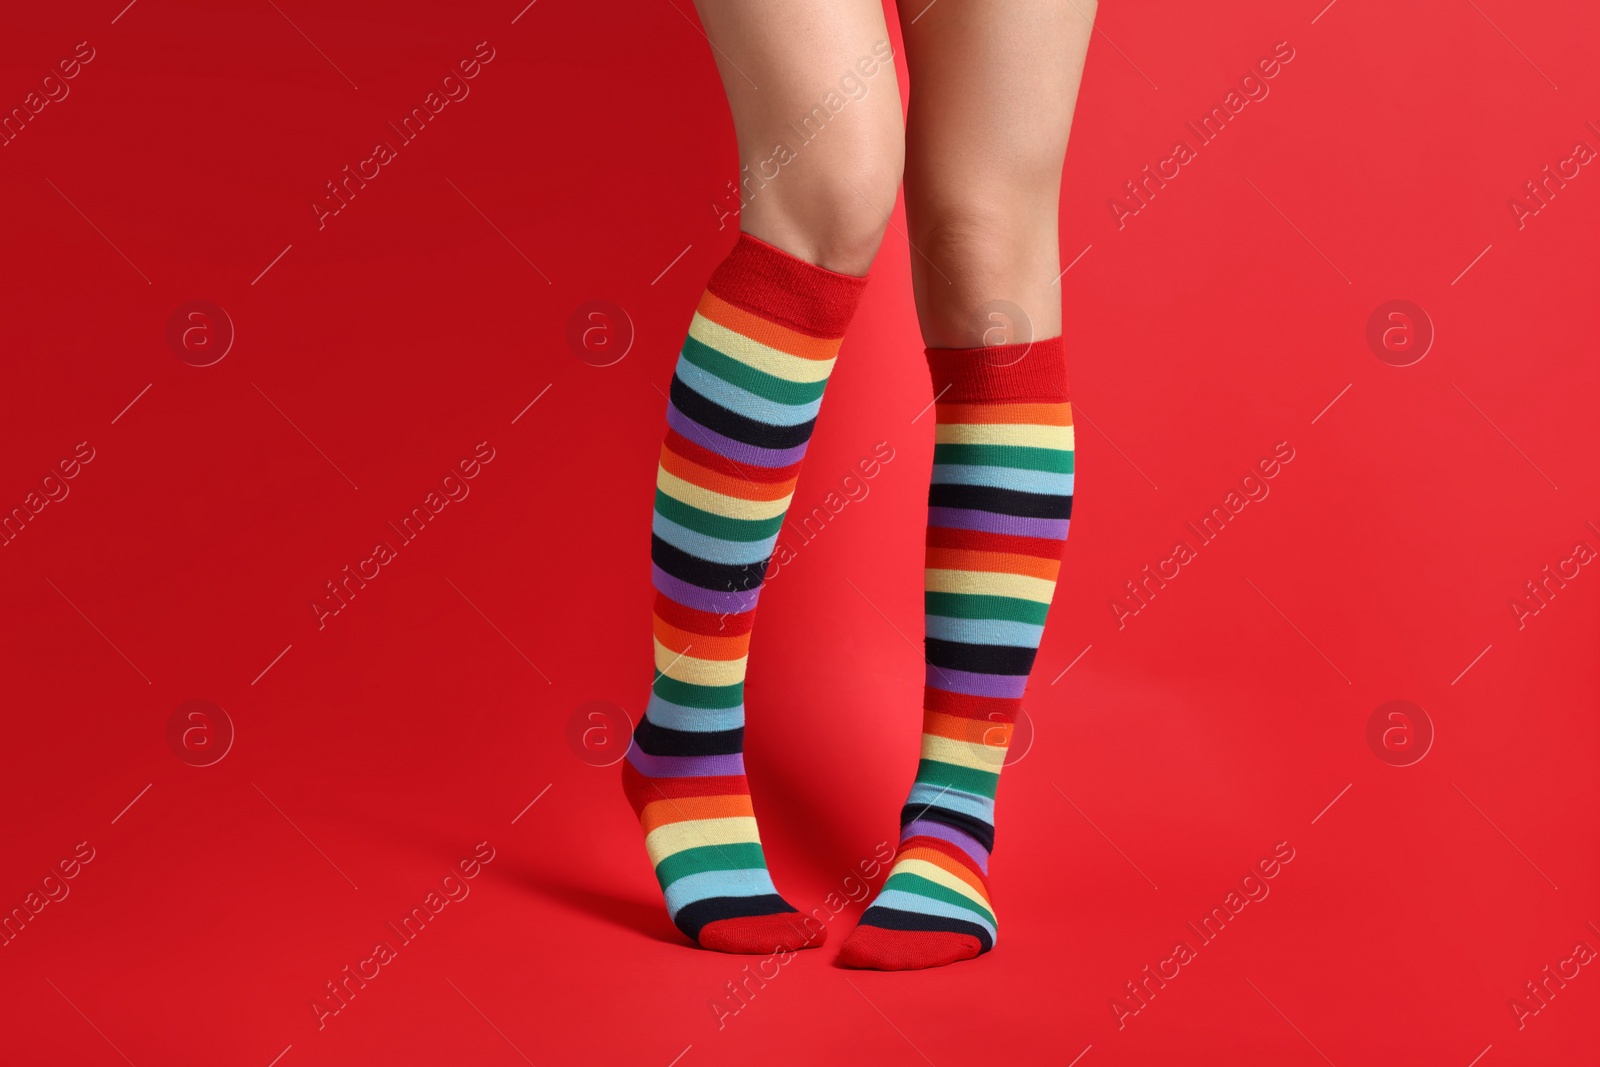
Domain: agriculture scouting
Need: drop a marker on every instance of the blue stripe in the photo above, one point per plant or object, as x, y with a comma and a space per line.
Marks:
744, 402
714, 549
1024, 481
984, 631
693, 720
750, 882
938, 796
900, 900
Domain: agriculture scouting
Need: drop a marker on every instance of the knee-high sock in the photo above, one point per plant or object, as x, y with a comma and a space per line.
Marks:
744, 397
998, 512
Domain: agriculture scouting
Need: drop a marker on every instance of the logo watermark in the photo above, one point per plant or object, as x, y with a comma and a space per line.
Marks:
1400, 733
600, 333
1399, 332
200, 733
599, 732
200, 333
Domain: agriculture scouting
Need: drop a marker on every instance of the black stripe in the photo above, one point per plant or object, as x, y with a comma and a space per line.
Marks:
656, 740
895, 919
717, 577
1001, 501
980, 659
967, 824
692, 918
714, 416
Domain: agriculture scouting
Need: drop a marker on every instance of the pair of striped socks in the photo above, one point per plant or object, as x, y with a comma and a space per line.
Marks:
743, 401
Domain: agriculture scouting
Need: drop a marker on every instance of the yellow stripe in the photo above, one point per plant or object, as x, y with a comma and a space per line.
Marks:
674, 837
989, 583
1004, 433
755, 354
730, 507
685, 668
974, 755
940, 876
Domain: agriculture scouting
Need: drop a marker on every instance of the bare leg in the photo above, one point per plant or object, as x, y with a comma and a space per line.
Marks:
993, 89
817, 112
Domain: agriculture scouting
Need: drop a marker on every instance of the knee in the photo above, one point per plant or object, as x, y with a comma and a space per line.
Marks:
985, 250
986, 274
987, 227
828, 203
847, 210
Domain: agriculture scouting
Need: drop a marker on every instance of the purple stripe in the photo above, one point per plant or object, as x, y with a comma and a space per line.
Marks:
974, 684
965, 842
727, 447
685, 766
709, 600
992, 522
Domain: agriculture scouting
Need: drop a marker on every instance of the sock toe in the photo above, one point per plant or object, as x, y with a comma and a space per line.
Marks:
874, 948
759, 935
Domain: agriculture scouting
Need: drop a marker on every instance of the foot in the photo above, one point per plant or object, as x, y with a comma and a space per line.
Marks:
700, 833
933, 909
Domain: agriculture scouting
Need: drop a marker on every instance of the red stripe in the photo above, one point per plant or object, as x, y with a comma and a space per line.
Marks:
993, 709
781, 288
984, 541
723, 465
712, 624
1033, 373
642, 790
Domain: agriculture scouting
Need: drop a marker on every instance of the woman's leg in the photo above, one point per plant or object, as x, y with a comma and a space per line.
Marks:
993, 87
817, 114
816, 109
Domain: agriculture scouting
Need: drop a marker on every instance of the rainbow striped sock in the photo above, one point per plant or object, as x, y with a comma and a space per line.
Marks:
998, 512
744, 398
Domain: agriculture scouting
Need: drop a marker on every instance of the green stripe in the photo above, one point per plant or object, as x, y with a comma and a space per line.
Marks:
748, 378
978, 783
699, 696
745, 856
1019, 457
973, 606
718, 526
923, 887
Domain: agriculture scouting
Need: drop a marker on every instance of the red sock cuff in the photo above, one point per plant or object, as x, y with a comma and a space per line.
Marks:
1026, 373
785, 289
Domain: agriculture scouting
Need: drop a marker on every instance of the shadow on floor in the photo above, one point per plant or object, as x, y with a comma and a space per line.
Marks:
648, 917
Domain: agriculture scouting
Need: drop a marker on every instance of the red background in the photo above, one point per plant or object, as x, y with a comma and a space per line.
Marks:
1220, 720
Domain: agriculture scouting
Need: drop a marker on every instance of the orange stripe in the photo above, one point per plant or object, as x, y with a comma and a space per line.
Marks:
726, 484
688, 809
945, 863
701, 646
963, 559
991, 733
760, 330
1016, 414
